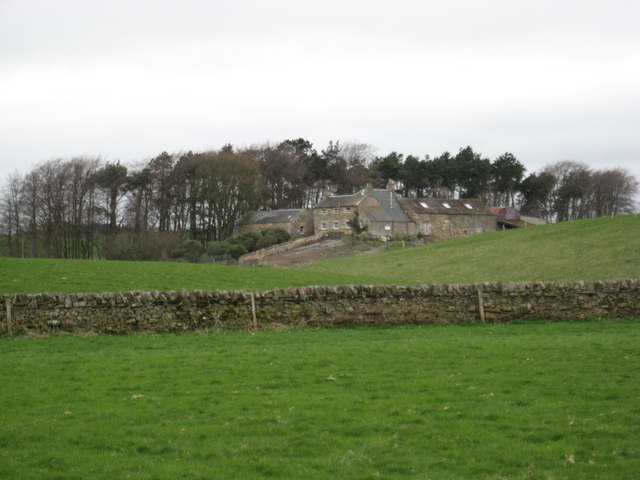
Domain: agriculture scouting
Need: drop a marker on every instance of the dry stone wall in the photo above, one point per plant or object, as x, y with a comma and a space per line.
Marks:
257, 257
254, 258
128, 312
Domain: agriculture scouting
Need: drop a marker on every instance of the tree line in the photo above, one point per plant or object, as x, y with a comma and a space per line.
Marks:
86, 207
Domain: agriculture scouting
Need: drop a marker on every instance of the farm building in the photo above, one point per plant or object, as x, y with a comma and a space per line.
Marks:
294, 221
378, 209
509, 217
385, 213
441, 218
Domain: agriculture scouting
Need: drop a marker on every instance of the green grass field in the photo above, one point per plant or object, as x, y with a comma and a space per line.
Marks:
594, 249
518, 401
51, 275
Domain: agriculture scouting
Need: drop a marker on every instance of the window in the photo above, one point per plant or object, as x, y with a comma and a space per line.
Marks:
426, 228
347, 210
424, 205
446, 205
469, 206
301, 230
336, 225
323, 211
335, 210
387, 227
323, 225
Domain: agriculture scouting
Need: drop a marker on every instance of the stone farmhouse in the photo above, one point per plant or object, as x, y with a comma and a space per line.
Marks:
384, 213
378, 209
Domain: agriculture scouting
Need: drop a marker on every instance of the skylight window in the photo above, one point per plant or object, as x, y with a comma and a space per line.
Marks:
469, 206
424, 205
446, 205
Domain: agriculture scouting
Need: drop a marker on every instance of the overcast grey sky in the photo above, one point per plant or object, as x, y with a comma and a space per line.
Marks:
547, 80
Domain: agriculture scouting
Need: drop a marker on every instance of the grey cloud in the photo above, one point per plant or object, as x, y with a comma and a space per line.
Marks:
545, 79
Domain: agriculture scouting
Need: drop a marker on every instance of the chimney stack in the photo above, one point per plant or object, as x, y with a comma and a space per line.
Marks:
368, 190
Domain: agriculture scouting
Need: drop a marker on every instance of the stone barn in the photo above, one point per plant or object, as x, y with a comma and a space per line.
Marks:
442, 218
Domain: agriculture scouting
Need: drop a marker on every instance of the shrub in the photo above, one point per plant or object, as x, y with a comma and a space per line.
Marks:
189, 250
248, 240
357, 225
267, 241
141, 246
279, 234
236, 251
218, 248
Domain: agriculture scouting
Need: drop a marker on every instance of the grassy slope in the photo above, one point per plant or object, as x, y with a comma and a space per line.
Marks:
594, 249
50, 275
583, 250
536, 400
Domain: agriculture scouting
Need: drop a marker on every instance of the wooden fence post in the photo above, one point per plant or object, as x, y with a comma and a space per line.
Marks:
253, 312
8, 303
481, 305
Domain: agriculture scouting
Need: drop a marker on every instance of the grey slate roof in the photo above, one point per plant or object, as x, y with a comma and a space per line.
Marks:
272, 216
389, 209
437, 206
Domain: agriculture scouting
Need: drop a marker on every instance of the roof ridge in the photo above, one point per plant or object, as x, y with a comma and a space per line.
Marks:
343, 195
278, 209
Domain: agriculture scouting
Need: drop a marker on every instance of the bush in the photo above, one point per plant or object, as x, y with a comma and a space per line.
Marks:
267, 241
236, 251
248, 240
218, 248
189, 250
279, 234
141, 246
357, 226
